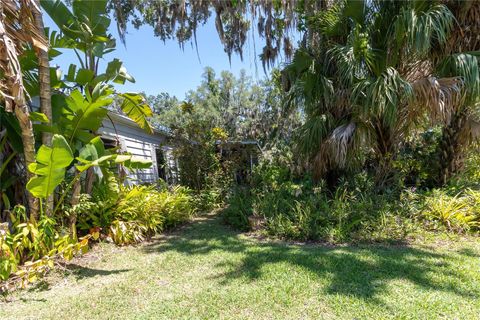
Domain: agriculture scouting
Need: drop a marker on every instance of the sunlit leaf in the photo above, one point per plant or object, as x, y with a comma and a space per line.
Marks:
50, 167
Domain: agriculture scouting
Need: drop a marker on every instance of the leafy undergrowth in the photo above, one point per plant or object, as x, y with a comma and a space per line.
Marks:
207, 271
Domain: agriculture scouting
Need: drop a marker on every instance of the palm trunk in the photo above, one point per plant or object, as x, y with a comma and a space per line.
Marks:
89, 180
17, 103
77, 188
451, 155
28, 140
463, 37
385, 150
45, 95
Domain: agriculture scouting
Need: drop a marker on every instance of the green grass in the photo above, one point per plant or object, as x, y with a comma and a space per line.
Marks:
207, 271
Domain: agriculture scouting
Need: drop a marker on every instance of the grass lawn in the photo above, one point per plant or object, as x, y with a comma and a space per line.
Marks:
206, 271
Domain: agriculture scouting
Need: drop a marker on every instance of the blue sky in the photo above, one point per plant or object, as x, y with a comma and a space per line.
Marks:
164, 67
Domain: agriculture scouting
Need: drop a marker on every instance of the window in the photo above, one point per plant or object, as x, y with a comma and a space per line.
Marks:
109, 143
161, 163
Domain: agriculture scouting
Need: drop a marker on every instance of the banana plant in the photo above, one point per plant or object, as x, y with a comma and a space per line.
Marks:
94, 154
83, 94
50, 167
86, 28
52, 163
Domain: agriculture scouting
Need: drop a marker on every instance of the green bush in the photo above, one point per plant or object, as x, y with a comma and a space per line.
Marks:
28, 248
238, 209
143, 211
299, 209
99, 208
416, 163
127, 232
458, 213
179, 206
208, 199
131, 214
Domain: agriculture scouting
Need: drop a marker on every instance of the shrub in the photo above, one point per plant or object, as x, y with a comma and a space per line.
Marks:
239, 209
470, 176
208, 199
143, 205
134, 213
127, 232
458, 213
299, 209
179, 206
99, 208
142, 211
28, 248
93, 213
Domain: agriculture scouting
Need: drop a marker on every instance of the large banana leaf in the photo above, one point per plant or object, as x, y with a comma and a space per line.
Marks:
129, 161
135, 107
93, 150
50, 167
60, 14
93, 13
81, 116
132, 162
94, 154
87, 164
88, 21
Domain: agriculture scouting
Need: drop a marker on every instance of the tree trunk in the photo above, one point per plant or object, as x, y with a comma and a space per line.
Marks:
16, 102
77, 188
451, 153
89, 180
45, 94
28, 140
385, 146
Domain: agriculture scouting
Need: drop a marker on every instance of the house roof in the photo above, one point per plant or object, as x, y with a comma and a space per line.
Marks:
120, 118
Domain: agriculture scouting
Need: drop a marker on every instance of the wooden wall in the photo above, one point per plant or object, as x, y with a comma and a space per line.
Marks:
136, 141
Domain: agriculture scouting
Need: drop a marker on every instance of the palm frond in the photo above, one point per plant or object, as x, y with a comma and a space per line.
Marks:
315, 130
465, 66
330, 21
472, 130
338, 150
438, 96
417, 28
339, 142
383, 96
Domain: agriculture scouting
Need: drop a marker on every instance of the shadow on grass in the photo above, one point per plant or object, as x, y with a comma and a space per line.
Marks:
81, 272
39, 286
362, 271
469, 253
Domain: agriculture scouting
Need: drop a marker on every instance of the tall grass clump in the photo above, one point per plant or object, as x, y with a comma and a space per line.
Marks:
130, 214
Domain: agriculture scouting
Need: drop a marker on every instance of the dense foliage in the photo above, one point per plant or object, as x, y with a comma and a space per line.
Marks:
369, 133
289, 206
131, 214
222, 109
381, 73
244, 109
71, 159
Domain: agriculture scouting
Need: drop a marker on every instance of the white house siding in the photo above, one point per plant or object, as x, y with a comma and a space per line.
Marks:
141, 144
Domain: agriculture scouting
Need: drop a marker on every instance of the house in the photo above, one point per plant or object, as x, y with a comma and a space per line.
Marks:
119, 131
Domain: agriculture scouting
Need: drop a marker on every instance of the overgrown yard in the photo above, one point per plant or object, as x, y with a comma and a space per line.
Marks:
207, 271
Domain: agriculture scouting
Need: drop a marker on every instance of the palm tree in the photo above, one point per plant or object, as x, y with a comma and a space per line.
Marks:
17, 30
44, 86
365, 79
460, 55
